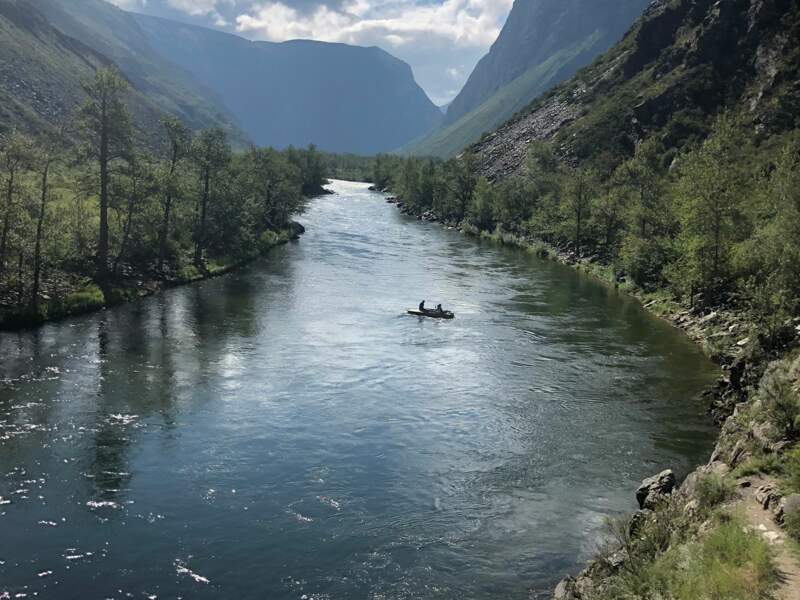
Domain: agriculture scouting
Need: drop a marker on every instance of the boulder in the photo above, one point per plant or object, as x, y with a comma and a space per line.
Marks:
565, 590
764, 434
655, 489
767, 496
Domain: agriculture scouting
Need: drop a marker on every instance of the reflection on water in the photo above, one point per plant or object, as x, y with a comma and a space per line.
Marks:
288, 430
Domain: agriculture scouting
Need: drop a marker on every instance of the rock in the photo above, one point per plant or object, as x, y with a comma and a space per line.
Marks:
767, 496
654, 489
692, 508
638, 519
764, 434
565, 590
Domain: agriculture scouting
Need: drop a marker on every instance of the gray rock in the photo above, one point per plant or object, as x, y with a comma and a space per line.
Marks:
655, 489
565, 590
767, 496
764, 434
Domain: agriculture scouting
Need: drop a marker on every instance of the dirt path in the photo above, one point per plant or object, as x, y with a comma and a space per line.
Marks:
761, 520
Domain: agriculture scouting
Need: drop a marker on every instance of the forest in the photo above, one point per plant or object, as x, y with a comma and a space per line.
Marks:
90, 213
716, 225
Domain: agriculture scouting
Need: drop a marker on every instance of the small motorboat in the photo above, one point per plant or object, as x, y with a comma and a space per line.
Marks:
433, 314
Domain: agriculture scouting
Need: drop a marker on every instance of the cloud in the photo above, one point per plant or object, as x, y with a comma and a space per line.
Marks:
441, 39
465, 23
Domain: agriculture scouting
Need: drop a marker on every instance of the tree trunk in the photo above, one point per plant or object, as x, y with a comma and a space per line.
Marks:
201, 234
102, 245
126, 229
164, 233
37, 251
20, 282
6, 222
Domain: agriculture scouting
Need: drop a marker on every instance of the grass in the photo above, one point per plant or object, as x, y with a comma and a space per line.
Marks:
85, 300
727, 562
713, 490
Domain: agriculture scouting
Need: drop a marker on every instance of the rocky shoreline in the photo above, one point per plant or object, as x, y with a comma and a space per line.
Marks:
132, 285
724, 336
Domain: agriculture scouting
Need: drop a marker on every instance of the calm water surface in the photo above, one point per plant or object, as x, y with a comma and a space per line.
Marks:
289, 431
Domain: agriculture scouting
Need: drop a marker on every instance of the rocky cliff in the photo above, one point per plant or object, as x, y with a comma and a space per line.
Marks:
682, 63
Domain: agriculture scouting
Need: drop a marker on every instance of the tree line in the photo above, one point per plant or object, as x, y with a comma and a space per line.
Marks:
716, 225
86, 199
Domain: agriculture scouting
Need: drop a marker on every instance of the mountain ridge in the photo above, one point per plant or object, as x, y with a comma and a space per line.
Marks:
377, 103
542, 43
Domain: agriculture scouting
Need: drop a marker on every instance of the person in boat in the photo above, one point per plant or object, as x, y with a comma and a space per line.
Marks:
439, 309
422, 306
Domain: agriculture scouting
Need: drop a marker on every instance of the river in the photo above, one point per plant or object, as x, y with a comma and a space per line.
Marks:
287, 431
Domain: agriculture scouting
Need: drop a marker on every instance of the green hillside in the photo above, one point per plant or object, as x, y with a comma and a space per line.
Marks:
451, 139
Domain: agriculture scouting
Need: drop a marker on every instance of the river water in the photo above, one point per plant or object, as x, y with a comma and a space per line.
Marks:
287, 431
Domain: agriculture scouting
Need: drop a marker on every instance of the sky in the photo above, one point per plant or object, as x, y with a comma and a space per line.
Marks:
441, 39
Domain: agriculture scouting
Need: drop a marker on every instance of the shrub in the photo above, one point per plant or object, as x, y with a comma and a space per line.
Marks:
779, 397
791, 470
730, 562
792, 524
189, 273
713, 490
84, 300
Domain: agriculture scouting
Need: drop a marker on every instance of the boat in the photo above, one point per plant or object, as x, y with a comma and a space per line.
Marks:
433, 314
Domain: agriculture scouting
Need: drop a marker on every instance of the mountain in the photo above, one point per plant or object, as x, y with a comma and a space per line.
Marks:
341, 98
116, 35
683, 63
542, 43
40, 69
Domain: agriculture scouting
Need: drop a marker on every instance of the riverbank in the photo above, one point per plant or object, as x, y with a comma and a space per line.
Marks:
72, 294
756, 403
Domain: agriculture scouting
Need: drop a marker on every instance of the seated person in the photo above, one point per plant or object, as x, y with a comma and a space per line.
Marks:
422, 306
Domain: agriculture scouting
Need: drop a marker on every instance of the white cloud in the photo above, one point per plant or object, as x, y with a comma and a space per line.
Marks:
441, 40
130, 4
194, 7
465, 23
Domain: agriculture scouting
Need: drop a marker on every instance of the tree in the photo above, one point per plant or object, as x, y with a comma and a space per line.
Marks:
178, 140
211, 152
644, 175
137, 184
608, 209
108, 134
15, 158
48, 152
276, 184
580, 193
479, 212
711, 188
463, 180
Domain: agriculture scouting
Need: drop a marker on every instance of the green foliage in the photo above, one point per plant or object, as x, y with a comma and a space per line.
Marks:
778, 397
713, 490
89, 298
791, 470
711, 189
729, 562
482, 205
792, 525
123, 214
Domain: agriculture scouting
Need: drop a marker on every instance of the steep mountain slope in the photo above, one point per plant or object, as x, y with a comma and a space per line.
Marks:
115, 34
342, 98
40, 69
542, 43
680, 65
